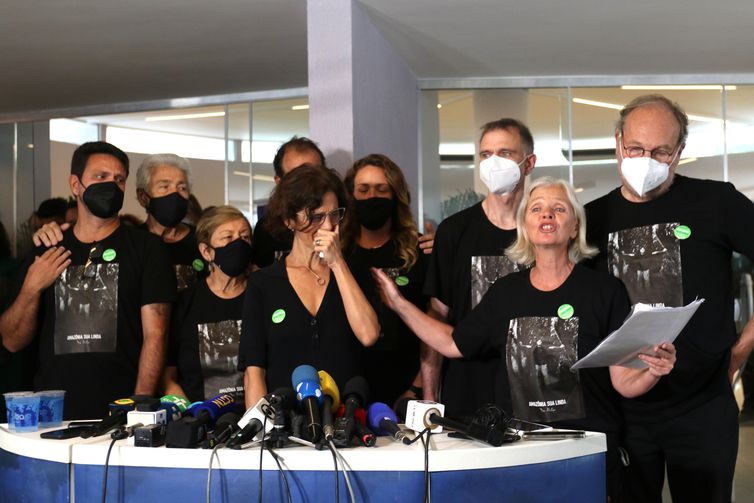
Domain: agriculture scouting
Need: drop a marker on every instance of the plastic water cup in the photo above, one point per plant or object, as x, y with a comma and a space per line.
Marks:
51, 407
9, 405
25, 412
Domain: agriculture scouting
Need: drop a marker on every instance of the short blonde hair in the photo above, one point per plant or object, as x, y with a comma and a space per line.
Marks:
213, 218
522, 250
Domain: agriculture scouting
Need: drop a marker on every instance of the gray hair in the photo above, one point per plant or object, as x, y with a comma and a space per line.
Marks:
522, 250
656, 99
144, 174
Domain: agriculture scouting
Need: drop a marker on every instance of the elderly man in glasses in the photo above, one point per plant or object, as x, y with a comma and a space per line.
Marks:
669, 238
99, 301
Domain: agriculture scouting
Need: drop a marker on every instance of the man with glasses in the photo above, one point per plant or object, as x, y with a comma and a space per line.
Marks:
99, 301
669, 238
468, 256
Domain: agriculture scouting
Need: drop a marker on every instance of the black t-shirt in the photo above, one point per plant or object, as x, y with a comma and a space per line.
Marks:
204, 337
278, 334
672, 250
468, 256
391, 364
186, 260
266, 248
539, 335
89, 325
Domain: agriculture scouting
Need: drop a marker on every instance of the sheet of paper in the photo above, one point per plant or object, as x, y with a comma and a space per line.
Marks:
645, 327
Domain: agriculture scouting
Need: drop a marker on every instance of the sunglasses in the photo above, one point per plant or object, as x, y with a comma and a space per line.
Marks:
95, 252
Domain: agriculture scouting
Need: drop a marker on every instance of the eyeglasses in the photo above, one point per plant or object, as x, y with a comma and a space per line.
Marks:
95, 252
658, 154
317, 219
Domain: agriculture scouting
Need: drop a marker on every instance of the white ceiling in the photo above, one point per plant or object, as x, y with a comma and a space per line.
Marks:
62, 54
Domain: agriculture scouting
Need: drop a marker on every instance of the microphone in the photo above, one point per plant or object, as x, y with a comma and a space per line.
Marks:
116, 418
225, 426
383, 421
362, 432
306, 383
331, 402
355, 394
191, 429
123, 433
422, 414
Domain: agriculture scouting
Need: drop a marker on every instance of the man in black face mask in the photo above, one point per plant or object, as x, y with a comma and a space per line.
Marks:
163, 186
99, 301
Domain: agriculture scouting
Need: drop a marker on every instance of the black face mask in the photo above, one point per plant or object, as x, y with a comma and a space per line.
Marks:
168, 210
103, 199
234, 258
374, 212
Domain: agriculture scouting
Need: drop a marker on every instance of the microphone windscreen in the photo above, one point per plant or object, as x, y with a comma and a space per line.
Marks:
215, 407
377, 412
283, 397
178, 400
305, 381
360, 415
358, 387
229, 419
329, 388
172, 411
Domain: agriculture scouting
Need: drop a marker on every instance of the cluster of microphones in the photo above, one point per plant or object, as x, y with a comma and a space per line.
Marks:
312, 412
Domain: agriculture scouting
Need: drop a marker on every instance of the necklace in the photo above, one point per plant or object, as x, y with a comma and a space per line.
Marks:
308, 267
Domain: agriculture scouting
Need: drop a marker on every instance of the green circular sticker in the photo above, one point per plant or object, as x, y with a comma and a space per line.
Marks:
278, 315
565, 311
198, 265
682, 232
401, 281
108, 255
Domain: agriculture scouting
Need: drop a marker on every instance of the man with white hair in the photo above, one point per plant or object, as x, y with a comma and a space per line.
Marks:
669, 238
163, 187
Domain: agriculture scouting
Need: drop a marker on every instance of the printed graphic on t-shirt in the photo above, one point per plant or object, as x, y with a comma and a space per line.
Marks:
485, 270
86, 309
648, 261
218, 355
539, 354
185, 276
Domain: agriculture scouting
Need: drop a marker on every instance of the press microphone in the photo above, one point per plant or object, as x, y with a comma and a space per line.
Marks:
383, 422
355, 394
422, 414
123, 433
116, 418
330, 403
267, 413
191, 429
361, 430
305, 381
226, 425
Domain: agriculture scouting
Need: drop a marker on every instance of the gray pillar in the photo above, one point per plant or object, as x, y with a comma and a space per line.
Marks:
490, 105
363, 98
431, 194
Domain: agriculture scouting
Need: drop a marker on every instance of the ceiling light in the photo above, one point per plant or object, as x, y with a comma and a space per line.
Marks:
613, 106
300, 107
158, 118
439, 106
687, 160
711, 87
259, 178
578, 190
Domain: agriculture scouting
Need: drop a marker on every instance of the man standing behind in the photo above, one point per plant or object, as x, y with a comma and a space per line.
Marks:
468, 256
669, 238
100, 301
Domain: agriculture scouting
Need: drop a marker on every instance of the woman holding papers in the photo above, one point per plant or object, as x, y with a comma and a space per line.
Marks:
543, 319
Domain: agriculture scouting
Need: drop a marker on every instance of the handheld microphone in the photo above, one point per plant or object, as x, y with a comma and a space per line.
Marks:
225, 426
331, 402
306, 383
355, 394
421, 414
383, 422
190, 430
267, 413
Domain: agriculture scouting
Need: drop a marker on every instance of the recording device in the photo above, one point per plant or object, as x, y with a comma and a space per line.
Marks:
330, 403
355, 394
64, 433
191, 430
422, 414
146, 417
383, 422
305, 381
114, 420
123, 433
151, 435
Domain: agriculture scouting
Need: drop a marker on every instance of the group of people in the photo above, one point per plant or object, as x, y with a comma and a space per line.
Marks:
517, 288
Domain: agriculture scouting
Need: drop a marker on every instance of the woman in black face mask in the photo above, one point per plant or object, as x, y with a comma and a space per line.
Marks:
383, 234
203, 351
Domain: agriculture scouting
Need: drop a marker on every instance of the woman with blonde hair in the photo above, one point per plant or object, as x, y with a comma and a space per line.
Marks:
205, 331
543, 319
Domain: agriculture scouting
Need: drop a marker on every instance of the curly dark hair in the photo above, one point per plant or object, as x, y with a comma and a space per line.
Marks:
302, 190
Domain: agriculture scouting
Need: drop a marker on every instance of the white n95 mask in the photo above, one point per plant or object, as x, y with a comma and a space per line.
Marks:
643, 173
499, 174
